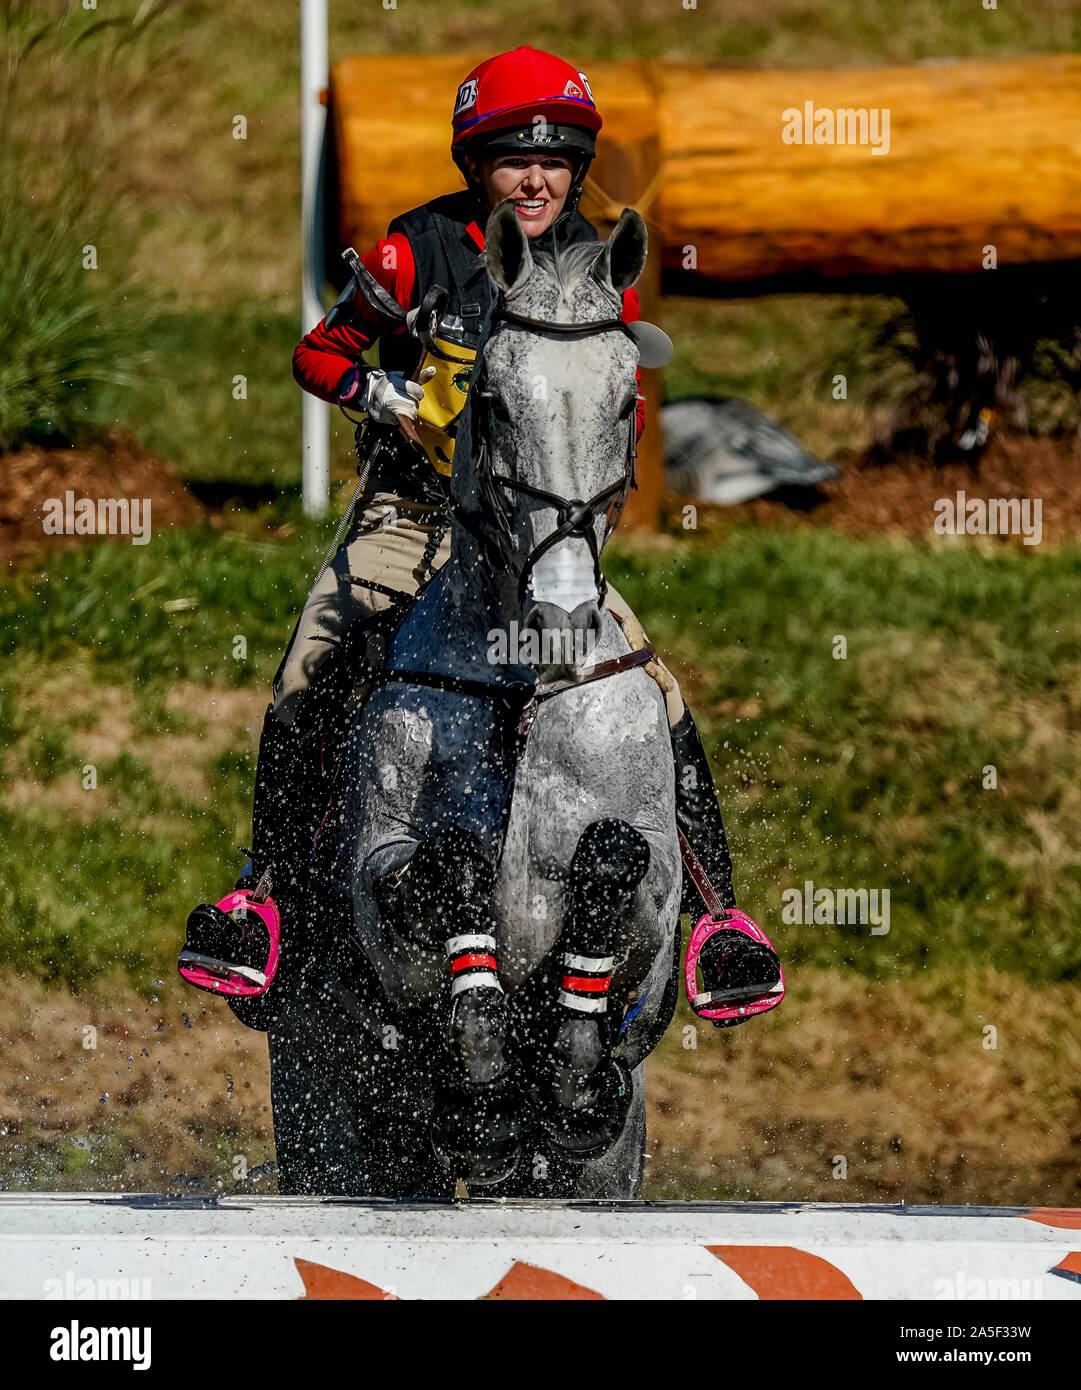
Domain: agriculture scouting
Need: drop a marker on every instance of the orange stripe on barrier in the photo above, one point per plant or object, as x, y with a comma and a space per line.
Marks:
322, 1282
783, 1272
1069, 1266
524, 1281
1068, 1218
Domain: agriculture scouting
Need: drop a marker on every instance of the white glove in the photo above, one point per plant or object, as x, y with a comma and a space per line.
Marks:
388, 394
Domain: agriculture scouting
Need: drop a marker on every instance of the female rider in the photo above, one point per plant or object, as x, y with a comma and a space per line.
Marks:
524, 128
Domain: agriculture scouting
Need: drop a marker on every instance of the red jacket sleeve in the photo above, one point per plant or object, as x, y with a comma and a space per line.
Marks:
323, 356
632, 312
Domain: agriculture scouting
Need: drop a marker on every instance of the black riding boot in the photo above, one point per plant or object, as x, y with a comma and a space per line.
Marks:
699, 817
290, 800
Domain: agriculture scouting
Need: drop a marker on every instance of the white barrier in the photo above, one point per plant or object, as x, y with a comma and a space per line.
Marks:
60, 1246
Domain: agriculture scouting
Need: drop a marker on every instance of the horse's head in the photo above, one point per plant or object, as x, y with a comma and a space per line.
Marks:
553, 424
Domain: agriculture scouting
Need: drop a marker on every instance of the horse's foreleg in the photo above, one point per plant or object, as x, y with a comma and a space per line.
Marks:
442, 899
588, 1094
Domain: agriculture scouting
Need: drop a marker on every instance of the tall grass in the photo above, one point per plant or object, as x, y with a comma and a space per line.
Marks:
70, 321
67, 329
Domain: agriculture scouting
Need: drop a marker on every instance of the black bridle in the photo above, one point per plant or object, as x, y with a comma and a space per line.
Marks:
576, 517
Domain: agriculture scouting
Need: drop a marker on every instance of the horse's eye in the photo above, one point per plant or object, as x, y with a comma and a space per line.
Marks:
498, 408
628, 407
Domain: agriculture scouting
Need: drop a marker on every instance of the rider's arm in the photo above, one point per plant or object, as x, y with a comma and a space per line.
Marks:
632, 312
326, 361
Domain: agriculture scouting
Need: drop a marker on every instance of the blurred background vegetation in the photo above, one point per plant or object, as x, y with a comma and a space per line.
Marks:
117, 133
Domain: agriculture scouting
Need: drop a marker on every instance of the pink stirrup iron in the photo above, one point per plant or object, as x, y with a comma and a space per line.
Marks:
210, 975
739, 1005
731, 920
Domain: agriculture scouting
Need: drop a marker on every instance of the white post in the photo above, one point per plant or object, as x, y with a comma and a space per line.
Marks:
314, 77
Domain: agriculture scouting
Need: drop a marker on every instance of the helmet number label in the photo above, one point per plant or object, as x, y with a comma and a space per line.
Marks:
467, 96
585, 84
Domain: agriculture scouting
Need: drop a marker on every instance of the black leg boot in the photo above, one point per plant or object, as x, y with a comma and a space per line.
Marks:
699, 817
583, 1094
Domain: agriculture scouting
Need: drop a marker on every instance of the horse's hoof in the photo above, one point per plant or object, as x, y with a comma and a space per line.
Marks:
477, 1035
477, 1132
591, 1129
577, 1062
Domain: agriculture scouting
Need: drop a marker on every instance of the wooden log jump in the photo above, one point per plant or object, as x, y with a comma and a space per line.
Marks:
976, 153
755, 179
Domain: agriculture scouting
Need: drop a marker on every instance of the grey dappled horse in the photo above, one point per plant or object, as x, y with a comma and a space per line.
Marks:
529, 1081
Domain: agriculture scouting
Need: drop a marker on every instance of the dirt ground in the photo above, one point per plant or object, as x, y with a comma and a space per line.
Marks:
868, 499
118, 467
849, 1092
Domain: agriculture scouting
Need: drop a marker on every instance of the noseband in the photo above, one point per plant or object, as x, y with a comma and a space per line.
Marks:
576, 517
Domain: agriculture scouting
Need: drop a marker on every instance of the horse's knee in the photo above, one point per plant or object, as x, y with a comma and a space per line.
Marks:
610, 861
444, 890
611, 857
456, 862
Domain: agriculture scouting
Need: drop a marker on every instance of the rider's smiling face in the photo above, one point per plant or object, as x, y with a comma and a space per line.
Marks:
539, 186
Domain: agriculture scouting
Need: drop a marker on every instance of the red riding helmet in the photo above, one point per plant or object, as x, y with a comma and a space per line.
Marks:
499, 103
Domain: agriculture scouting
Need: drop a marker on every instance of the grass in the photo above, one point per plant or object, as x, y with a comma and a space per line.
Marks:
69, 328
784, 353
211, 292
866, 771
68, 332
221, 404
106, 606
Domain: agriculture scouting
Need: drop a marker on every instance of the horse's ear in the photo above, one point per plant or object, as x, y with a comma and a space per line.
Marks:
623, 258
506, 249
